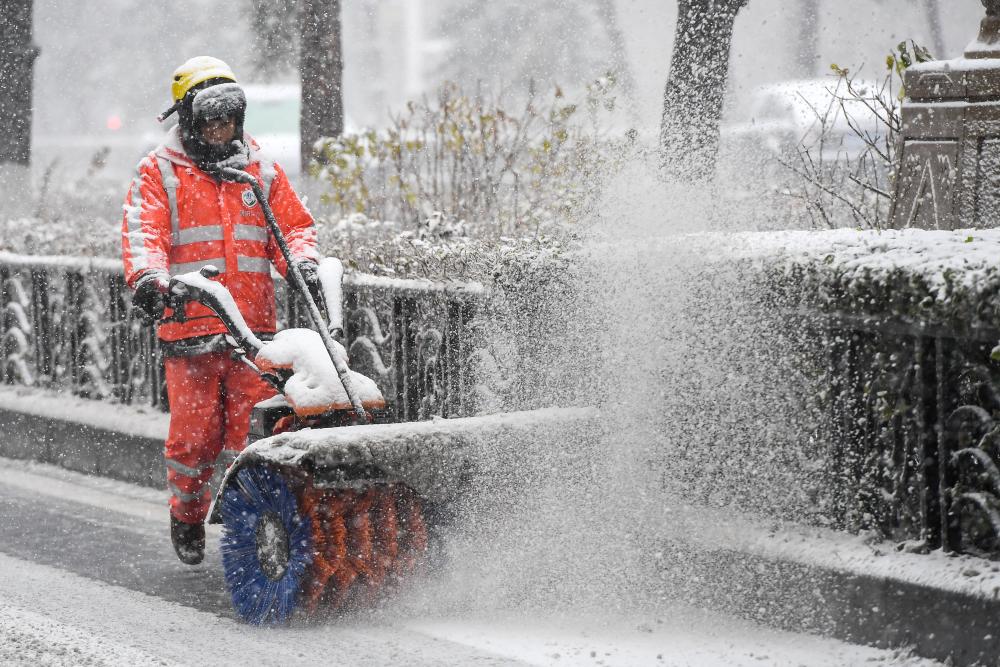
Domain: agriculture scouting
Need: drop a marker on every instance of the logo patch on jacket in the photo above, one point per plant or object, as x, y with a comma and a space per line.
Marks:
249, 198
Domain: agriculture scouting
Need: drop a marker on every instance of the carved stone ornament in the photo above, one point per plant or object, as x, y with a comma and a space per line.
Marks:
987, 45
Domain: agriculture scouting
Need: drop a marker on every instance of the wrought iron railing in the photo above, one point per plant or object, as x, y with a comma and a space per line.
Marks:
913, 432
66, 324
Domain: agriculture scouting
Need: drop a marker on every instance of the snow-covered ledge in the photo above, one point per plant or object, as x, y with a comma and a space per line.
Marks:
927, 277
438, 458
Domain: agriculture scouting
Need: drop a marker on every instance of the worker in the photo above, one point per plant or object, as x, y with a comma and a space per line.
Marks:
181, 214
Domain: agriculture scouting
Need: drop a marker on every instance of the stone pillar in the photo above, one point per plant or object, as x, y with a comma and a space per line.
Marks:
948, 169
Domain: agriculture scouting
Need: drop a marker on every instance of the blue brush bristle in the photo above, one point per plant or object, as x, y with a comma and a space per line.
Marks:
256, 598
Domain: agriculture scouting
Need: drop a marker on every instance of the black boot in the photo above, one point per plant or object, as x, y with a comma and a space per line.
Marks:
189, 540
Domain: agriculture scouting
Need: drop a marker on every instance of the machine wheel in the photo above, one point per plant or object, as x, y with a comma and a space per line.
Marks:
266, 546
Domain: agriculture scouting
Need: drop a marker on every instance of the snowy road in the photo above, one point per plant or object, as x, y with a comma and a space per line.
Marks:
89, 578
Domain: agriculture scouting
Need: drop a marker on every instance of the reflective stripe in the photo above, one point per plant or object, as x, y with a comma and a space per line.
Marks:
187, 471
185, 497
253, 264
250, 233
136, 237
267, 174
188, 267
198, 234
170, 184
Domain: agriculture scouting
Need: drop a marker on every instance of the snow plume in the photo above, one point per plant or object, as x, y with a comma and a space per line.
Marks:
697, 392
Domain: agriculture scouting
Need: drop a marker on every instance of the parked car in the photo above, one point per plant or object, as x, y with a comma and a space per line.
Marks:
781, 117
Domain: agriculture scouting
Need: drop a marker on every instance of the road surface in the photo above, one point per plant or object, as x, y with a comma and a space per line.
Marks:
89, 578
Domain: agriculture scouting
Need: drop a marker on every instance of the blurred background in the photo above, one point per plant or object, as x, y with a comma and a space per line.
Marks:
103, 72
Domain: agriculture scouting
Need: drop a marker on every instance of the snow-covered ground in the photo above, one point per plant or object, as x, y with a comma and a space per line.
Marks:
49, 616
50, 613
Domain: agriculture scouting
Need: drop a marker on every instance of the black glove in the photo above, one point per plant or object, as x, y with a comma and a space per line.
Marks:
149, 300
310, 274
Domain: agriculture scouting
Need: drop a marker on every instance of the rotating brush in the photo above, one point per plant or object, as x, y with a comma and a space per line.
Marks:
266, 546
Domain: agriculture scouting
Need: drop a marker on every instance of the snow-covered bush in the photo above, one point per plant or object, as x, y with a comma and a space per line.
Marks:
70, 217
436, 249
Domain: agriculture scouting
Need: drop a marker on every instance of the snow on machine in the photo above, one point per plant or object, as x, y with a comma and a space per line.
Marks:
304, 533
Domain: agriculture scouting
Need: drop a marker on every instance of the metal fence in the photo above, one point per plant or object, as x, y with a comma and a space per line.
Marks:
66, 325
913, 432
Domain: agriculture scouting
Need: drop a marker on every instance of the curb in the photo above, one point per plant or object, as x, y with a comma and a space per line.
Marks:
85, 448
956, 627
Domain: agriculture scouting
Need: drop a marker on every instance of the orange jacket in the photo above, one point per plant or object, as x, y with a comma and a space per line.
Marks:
186, 220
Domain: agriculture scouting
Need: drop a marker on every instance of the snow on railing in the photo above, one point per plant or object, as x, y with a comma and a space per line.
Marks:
66, 324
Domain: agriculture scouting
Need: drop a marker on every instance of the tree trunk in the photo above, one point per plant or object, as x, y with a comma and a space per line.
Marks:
376, 98
17, 59
619, 54
696, 87
321, 70
806, 39
275, 43
934, 23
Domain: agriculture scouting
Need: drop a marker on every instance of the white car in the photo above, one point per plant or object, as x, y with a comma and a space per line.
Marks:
780, 117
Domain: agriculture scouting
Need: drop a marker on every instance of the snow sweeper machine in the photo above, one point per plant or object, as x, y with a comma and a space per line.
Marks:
302, 531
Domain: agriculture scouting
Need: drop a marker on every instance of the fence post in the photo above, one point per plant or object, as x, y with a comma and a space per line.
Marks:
73, 326
5, 375
4, 298
853, 403
466, 370
41, 316
116, 336
411, 361
836, 355
452, 360
944, 479
350, 306
926, 380
398, 363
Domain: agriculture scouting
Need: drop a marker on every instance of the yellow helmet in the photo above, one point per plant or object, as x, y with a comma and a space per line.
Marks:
196, 70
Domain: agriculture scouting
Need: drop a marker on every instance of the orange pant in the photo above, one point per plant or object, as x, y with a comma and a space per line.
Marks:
210, 400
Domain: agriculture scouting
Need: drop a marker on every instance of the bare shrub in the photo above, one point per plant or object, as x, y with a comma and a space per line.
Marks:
467, 159
844, 168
